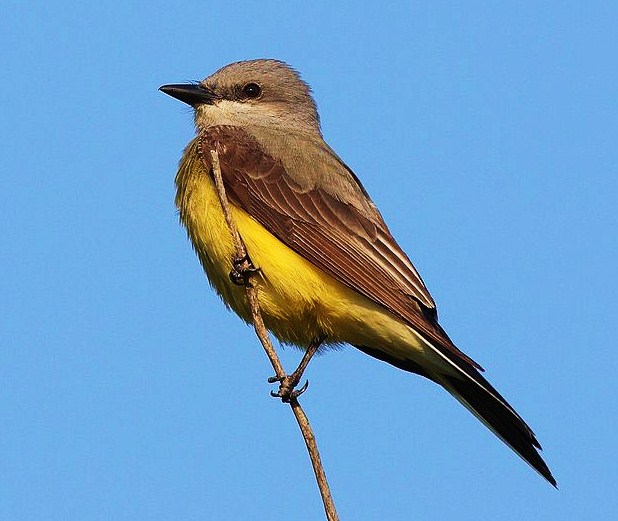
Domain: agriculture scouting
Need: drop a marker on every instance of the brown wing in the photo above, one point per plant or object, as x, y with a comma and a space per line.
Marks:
334, 235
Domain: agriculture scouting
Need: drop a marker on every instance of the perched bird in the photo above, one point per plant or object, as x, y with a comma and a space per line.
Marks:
328, 270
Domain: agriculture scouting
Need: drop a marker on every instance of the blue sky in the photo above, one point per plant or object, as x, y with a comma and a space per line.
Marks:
486, 133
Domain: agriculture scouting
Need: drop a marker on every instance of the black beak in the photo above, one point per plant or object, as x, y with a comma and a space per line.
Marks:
192, 94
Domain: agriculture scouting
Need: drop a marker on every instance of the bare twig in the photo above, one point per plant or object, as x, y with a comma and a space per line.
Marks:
261, 332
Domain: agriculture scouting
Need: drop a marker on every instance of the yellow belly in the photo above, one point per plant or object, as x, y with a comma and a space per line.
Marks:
299, 302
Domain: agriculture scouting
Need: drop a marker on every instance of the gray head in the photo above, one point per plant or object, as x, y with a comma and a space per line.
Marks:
255, 93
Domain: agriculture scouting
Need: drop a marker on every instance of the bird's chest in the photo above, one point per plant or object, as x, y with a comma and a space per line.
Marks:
201, 213
286, 283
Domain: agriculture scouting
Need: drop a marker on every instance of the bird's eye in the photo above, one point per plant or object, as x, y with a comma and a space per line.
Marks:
251, 90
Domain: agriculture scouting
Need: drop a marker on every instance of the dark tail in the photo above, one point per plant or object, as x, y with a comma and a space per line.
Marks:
480, 398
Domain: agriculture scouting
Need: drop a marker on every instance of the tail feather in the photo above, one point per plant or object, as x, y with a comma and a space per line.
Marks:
495, 412
469, 387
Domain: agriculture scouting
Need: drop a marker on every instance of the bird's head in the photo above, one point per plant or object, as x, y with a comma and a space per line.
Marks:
255, 93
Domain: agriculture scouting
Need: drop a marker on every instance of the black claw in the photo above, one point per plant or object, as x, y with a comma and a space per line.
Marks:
238, 278
298, 392
243, 269
287, 383
286, 388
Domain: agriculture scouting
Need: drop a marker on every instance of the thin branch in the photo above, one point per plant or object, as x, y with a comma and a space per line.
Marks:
261, 332
241, 253
316, 461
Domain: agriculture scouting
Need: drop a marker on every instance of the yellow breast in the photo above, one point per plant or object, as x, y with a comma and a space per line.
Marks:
299, 302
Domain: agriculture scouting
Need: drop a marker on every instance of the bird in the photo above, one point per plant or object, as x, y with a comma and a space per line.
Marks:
326, 268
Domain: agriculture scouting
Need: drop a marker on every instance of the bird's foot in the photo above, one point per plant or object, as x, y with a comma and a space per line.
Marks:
287, 386
242, 270
287, 383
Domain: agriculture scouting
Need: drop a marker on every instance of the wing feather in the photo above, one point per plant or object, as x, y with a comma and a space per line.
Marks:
335, 235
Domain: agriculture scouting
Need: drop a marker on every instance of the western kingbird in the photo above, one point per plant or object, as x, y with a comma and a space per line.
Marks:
329, 269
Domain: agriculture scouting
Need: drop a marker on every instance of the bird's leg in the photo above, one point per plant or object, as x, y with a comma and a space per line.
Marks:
242, 270
287, 384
